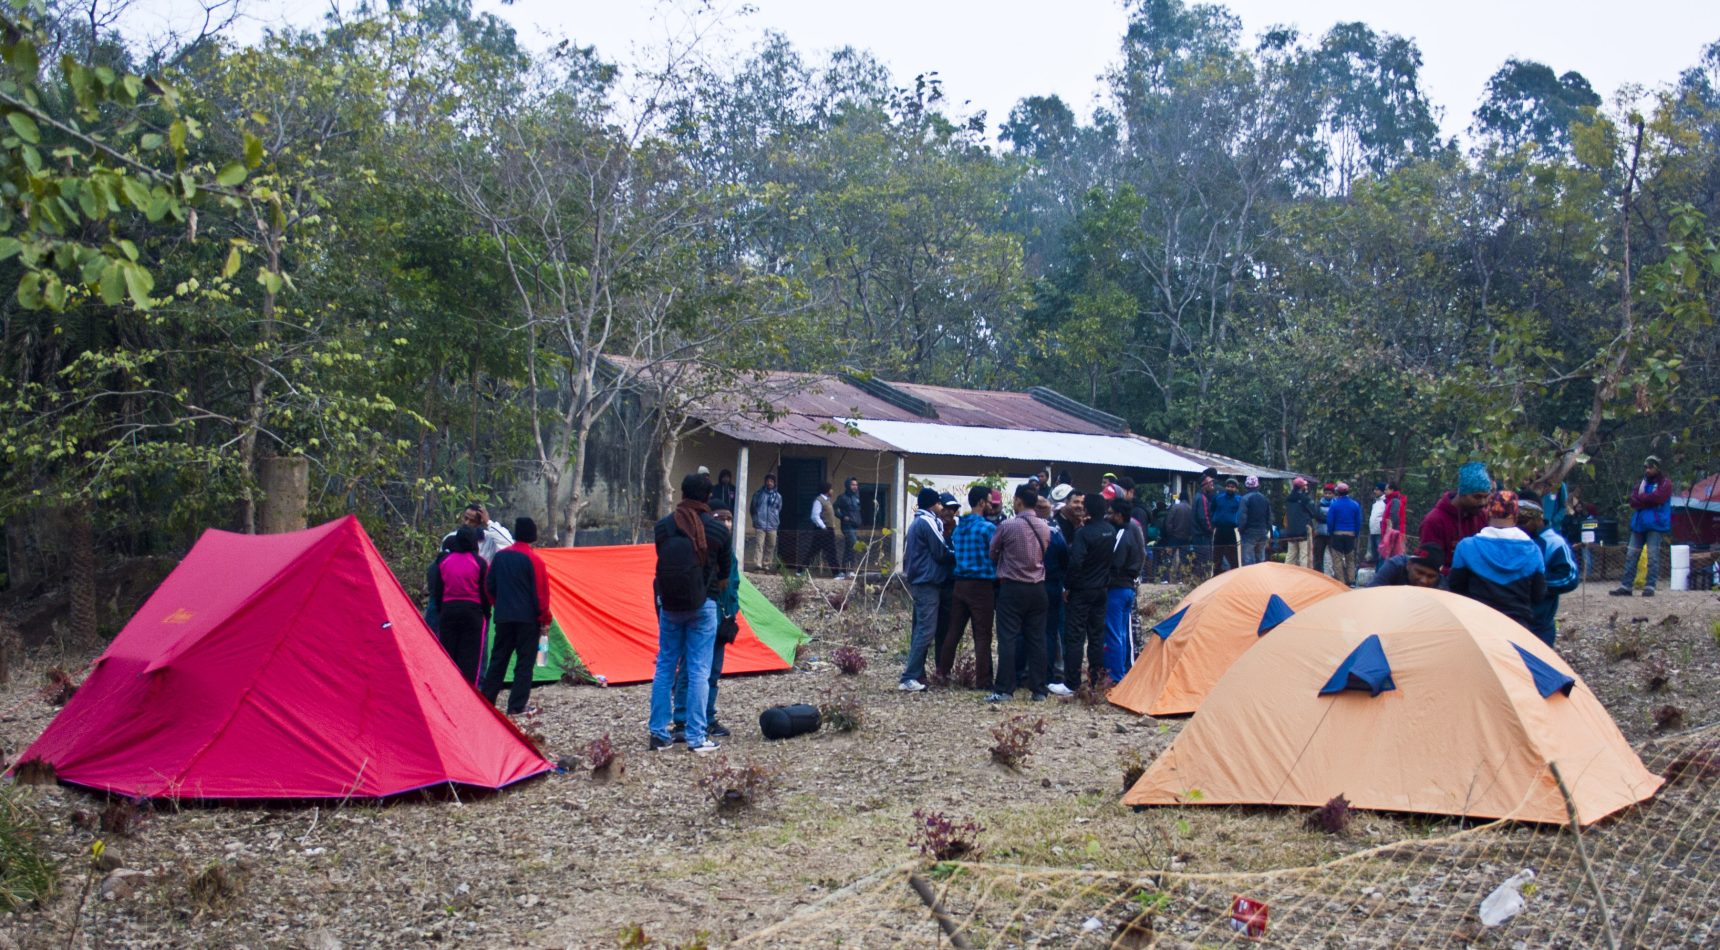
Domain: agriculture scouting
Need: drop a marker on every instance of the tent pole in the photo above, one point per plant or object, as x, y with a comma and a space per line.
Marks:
742, 499
898, 515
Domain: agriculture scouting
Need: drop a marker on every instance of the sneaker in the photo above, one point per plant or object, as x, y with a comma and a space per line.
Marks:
1037, 698
998, 697
1648, 592
658, 745
1619, 592
703, 747
910, 686
677, 734
1058, 689
717, 729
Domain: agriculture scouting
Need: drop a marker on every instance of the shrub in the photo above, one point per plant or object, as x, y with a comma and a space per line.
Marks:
1655, 675
28, 877
849, 661
738, 786
1700, 763
794, 586
121, 817
1133, 767
1093, 694
604, 761
964, 673
1012, 740
213, 889
59, 688
842, 712
942, 838
1332, 817
838, 599
1668, 718
1624, 645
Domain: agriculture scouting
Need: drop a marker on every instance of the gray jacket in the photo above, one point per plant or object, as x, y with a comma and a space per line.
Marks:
767, 509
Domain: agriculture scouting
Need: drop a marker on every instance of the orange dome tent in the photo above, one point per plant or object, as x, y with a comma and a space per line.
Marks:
1402, 699
1188, 651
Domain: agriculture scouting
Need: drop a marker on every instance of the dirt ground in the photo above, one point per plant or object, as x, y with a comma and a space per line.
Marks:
571, 861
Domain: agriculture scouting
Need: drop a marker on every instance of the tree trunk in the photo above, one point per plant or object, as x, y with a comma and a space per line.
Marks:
670, 447
80, 539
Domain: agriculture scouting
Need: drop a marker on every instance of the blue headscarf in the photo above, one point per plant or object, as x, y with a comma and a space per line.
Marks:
1473, 477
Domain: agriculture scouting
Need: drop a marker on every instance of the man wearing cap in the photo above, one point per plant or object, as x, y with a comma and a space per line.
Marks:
926, 565
1420, 569
1254, 521
1500, 565
1302, 516
1458, 514
975, 594
1344, 518
1650, 520
1560, 564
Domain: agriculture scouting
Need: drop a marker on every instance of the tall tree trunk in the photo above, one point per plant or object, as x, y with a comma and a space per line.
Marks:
80, 538
670, 447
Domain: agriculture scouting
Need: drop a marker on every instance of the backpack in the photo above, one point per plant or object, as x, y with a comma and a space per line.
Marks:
680, 580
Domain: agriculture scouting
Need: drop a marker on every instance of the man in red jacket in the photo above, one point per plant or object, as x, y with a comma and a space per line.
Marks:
1459, 514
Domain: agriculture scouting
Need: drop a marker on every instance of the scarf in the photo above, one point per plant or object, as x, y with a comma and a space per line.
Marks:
687, 519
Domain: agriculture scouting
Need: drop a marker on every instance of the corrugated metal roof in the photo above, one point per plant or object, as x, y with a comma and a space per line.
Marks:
997, 409
1026, 445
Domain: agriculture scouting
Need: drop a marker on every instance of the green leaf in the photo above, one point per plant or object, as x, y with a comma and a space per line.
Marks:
9, 248
231, 174
176, 135
30, 291
234, 259
138, 283
22, 58
136, 192
24, 126
253, 151
113, 285
151, 141
270, 280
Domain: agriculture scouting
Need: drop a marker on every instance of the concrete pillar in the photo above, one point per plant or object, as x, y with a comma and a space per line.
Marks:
743, 497
1176, 484
286, 494
899, 516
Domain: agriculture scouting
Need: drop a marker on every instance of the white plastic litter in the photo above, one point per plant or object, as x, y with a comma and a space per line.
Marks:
1091, 924
1506, 901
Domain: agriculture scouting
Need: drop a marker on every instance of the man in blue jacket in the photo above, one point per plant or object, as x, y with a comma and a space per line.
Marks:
1344, 521
1650, 520
926, 563
1501, 566
1560, 564
1226, 509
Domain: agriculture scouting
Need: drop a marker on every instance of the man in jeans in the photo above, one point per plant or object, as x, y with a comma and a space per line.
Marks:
1650, 520
1018, 549
848, 516
519, 589
766, 514
689, 541
926, 564
975, 594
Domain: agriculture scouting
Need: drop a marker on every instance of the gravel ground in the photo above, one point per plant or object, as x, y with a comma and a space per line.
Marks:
570, 860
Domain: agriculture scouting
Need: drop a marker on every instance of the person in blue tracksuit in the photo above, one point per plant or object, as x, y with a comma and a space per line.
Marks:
1650, 520
1128, 553
1501, 566
1561, 566
1344, 525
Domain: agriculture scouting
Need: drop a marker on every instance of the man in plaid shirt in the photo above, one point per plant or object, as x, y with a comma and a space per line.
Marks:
975, 593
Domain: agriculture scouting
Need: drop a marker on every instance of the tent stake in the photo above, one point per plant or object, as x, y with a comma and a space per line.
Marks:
950, 929
1583, 856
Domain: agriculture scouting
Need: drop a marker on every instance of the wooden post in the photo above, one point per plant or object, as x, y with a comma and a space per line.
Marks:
899, 516
742, 500
286, 494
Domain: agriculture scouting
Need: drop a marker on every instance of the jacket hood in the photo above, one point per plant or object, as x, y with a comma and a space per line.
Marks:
1499, 557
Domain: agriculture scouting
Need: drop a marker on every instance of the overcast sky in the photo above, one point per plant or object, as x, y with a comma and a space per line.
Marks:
993, 52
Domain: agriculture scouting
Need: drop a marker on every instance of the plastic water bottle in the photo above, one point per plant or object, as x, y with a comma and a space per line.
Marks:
543, 650
1506, 901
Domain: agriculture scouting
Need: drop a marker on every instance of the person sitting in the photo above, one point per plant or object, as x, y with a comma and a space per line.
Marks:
1501, 566
1420, 569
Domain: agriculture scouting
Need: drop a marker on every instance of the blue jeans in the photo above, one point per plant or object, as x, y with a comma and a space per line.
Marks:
1119, 632
680, 716
850, 539
1637, 540
1054, 631
683, 637
1254, 548
925, 625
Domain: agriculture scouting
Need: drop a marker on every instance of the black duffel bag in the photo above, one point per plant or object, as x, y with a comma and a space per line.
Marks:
782, 722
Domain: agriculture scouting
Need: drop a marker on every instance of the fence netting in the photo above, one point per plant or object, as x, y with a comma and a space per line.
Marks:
1645, 877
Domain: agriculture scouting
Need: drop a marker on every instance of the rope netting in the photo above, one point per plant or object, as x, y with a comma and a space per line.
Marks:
1644, 877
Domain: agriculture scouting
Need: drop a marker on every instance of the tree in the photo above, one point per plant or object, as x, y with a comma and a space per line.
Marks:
1528, 106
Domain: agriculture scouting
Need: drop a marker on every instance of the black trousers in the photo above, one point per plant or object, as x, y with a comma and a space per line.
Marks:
822, 542
946, 594
1083, 635
1020, 626
462, 634
518, 641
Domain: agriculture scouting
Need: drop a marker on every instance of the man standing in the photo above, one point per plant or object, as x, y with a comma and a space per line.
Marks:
1500, 565
926, 565
1650, 520
1056, 571
1323, 529
824, 528
1088, 575
692, 573
1226, 509
766, 513
1128, 552
1460, 514
1302, 514
975, 593
1393, 522
723, 494
1345, 520
1254, 521
848, 516
1018, 549
1560, 564
1179, 536
519, 589
728, 629
1376, 515
1205, 534
1420, 569
949, 507
495, 537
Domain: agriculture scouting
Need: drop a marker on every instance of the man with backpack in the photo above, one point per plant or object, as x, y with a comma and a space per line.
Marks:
693, 570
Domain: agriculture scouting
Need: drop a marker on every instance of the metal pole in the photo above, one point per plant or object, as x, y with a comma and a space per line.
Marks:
898, 515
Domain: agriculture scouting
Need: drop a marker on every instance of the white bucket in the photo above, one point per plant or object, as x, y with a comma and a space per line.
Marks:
1681, 578
1681, 557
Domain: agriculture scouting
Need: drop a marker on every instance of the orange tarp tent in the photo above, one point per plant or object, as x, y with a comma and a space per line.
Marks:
1185, 654
602, 600
1402, 699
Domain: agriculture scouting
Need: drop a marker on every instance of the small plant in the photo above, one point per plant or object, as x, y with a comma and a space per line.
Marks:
1714, 631
59, 688
964, 673
794, 586
1013, 738
1626, 644
121, 817
738, 786
1093, 694
838, 598
1655, 675
604, 761
213, 889
1133, 767
842, 712
1668, 718
28, 876
849, 661
942, 838
1332, 817
632, 937
1700, 763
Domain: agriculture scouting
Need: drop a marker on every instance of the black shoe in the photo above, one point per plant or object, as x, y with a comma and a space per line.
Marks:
1648, 592
1038, 697
658, 745
1619, 592
717, 729
678, 732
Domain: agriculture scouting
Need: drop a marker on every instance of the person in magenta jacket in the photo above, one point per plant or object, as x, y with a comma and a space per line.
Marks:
1458, 514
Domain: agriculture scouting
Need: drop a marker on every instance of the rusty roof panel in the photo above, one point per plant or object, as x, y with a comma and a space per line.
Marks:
996, 409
